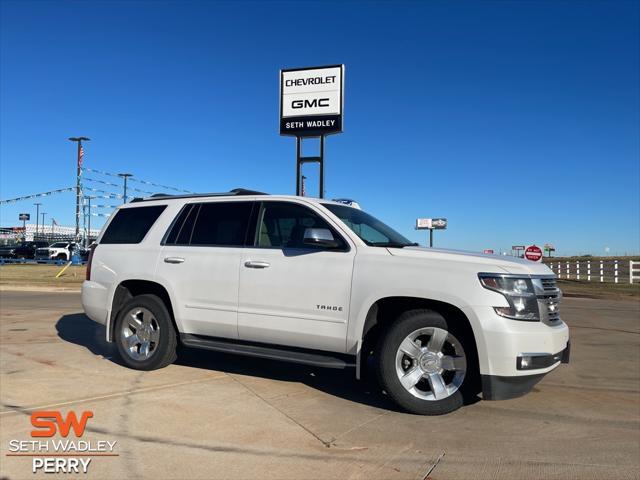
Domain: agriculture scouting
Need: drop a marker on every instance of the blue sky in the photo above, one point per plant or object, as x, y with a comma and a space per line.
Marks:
518, 121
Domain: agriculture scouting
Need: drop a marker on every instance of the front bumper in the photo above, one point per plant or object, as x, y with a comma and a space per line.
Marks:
495, 387
500, 341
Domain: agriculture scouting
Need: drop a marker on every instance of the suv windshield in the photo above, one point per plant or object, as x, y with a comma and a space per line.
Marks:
59, 245
371, 230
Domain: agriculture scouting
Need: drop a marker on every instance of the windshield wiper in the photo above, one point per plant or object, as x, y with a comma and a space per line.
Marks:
392, 244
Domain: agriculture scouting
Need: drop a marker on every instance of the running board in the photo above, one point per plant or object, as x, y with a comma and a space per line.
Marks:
285, 354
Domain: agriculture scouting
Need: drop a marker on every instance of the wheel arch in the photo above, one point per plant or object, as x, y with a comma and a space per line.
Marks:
384, 311
128, 289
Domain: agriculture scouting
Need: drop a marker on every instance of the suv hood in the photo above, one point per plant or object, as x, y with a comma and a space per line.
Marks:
499, 262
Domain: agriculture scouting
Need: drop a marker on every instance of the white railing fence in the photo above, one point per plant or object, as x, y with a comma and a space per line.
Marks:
634, 271
612, 271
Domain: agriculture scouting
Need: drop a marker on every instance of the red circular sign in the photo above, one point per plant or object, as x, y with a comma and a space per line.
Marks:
533, 253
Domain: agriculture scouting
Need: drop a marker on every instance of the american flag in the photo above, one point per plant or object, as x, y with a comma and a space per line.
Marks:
53, 221
80, 155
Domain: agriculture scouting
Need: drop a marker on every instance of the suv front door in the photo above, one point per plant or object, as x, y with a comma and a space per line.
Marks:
201, 261
290, 293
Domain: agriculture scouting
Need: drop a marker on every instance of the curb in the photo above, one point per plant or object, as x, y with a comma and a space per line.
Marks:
36, 288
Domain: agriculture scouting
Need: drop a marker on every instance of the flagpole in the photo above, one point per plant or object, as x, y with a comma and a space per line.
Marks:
78, 180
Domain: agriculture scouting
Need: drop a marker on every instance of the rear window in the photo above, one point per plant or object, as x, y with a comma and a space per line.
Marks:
130, 225
211, 224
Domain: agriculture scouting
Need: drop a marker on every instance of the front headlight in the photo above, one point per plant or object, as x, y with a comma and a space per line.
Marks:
519, 292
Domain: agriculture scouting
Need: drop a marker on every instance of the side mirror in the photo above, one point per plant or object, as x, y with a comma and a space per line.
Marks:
320, 237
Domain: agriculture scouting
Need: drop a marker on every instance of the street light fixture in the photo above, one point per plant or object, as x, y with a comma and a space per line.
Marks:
125, 176
79, 141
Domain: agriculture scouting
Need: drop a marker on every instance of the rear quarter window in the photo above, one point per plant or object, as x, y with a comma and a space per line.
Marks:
130, 225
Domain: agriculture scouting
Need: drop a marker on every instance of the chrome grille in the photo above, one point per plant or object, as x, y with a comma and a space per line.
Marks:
549, 284
549, 300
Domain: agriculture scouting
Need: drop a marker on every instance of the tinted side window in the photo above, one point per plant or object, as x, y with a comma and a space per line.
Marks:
222, 224
130, 225
177, 226
184, 235
282, 225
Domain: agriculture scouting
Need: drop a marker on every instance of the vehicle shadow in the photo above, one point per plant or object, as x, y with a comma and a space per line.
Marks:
78, 329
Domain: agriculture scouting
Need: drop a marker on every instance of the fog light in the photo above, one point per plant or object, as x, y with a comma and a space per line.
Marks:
525, 362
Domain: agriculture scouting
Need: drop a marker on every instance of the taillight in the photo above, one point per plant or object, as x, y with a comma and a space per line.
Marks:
92, 248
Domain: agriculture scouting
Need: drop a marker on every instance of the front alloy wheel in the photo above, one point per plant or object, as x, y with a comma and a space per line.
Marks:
423, 365
431, 364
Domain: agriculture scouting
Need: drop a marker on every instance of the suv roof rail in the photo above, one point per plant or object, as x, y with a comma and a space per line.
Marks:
235, 191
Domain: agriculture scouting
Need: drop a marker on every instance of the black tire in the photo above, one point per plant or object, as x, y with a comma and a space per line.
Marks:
165, 349
61, 256
408, 322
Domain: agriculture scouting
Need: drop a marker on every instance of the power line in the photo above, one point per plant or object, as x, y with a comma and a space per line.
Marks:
159, 185
36, 195
87, 179
132, 179
99, 190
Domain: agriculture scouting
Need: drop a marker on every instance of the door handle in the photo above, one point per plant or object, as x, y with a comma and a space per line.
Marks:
252, 264
173, 260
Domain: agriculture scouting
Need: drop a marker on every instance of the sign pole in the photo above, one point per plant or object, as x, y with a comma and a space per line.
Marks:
300, 160
321, 167
431, 238
298, 164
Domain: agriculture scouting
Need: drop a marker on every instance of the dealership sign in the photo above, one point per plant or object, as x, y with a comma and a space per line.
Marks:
431, 223
311, 101
423, 223
439, 223
533, 253
24, 217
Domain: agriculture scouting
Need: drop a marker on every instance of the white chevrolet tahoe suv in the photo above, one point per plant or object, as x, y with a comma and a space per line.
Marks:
325, 284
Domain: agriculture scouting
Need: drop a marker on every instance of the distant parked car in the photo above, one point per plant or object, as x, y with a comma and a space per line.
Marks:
25, 250
56, 251
84, 252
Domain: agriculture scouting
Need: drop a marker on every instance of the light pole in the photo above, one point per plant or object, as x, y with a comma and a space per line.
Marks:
37, 216
124, 176
78, 140
304, 193
87, 240
43, 214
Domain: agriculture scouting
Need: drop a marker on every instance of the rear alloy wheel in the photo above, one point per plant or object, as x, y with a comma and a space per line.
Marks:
144, 333
422, 365
140, 333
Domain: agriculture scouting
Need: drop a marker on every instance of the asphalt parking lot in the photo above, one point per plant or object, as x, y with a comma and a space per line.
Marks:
219, 416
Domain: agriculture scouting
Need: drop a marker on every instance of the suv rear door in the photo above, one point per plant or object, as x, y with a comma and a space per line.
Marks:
290, 293
200, 259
